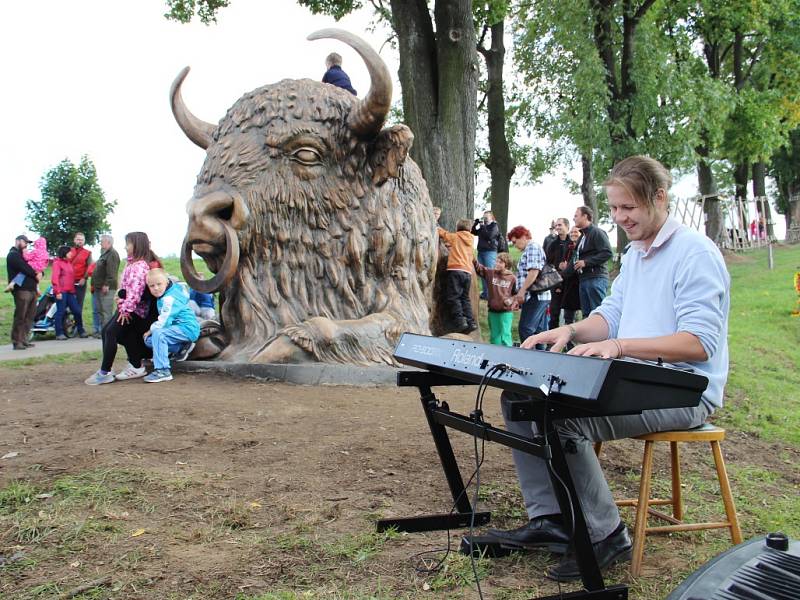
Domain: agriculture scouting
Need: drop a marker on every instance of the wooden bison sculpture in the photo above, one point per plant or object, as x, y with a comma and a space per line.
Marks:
317, 226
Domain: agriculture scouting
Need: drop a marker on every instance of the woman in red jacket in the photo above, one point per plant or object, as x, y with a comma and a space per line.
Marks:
63, 280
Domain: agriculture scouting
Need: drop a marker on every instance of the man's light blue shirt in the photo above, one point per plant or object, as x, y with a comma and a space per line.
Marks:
678, 284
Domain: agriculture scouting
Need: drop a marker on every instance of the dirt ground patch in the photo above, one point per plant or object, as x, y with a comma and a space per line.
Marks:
209, 487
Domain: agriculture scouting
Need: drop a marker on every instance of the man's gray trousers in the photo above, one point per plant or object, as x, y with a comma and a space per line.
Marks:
578, 437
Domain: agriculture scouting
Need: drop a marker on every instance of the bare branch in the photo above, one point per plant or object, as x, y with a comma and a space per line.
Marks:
754, 59
387, 41
483, 35
482, 103
725, 52
645, 6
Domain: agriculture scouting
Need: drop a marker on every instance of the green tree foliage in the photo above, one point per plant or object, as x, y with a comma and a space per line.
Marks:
785, 168
761, 61
750, 49
185, 10
72, 200
560, 94
603, 79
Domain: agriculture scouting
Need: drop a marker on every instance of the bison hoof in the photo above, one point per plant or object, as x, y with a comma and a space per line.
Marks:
212, 341
283, 350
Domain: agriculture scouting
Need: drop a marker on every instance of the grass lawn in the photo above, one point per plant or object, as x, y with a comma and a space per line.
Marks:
763, 392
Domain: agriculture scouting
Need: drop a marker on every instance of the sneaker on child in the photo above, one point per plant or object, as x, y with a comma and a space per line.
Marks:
158, 376
182, 354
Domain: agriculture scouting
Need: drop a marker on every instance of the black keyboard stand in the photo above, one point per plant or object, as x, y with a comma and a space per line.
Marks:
439, 417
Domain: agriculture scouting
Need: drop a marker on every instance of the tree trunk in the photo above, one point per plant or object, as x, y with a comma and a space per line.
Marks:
439, 78
587, 182
793, 220
501, 164
740, 178
760, 191
715, 222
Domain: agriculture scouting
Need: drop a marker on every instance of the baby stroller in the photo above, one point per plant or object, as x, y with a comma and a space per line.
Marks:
44, 320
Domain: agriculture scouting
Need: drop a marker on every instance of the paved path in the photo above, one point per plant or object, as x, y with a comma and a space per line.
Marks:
45, 348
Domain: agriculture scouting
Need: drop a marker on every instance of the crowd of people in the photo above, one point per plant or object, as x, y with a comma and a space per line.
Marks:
565, 274
146, 311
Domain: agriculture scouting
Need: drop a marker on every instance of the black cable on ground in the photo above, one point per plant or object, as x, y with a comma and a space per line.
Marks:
421, 556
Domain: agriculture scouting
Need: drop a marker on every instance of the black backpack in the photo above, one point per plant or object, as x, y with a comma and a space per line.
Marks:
502, 242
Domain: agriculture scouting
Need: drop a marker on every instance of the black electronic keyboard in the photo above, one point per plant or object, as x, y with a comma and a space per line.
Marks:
590, 385
548, 386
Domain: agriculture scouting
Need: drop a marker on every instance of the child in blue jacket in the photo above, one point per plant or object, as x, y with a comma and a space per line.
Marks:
176, 328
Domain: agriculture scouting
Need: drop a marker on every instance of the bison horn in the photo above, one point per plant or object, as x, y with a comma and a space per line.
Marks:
196, 130
367, 117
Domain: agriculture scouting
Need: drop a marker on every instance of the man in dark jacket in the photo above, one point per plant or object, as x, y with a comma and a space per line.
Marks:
334, 75
594, 250
104, 283
560, 254
24, 295
489, 242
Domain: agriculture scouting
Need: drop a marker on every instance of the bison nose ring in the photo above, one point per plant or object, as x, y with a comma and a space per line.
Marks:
225, 273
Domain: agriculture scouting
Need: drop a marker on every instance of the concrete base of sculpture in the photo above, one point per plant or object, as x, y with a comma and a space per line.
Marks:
299, 374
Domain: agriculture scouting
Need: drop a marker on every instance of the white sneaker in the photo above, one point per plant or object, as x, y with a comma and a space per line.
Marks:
131, 372
98, 378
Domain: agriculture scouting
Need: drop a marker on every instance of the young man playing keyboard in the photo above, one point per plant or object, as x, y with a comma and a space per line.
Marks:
670, 302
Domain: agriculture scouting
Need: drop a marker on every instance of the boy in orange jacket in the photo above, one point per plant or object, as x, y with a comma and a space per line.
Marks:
459, 275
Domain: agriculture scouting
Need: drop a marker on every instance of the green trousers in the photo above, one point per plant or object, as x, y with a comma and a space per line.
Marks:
500, 328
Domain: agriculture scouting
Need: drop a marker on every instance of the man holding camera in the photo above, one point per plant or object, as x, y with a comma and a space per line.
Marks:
490, 242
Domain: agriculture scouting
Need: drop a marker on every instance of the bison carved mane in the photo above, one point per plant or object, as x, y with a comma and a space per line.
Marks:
316, 224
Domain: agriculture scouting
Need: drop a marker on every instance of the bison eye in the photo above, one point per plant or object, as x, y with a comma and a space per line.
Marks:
306, 156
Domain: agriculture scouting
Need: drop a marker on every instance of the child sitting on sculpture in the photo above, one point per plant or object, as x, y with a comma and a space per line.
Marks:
176, 329
37, 258
501, 285
202, 305
459, 275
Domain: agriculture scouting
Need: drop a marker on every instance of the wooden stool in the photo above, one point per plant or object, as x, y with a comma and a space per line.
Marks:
706, 433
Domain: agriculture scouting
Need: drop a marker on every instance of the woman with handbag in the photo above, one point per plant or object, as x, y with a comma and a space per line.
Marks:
534, 281
561, 254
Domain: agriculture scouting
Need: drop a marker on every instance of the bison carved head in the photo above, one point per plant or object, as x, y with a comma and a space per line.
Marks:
316, 225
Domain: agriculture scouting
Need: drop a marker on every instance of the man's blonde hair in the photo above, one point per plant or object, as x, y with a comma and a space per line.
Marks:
334, 59
641, 177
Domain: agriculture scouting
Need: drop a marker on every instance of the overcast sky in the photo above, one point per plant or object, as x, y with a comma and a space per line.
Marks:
92, 77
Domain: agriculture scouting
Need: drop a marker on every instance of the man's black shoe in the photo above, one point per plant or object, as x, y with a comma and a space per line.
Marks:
541, 532
616, 547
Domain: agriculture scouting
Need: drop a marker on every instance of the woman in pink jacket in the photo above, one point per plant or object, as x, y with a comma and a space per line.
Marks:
133, 317
63, 281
